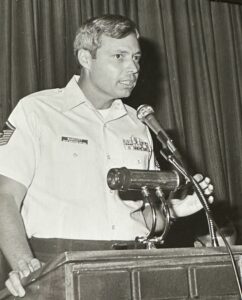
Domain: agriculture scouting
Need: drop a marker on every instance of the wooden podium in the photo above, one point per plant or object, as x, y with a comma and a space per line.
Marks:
184, 273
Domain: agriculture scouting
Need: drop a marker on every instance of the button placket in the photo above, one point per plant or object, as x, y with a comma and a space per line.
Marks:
111, 194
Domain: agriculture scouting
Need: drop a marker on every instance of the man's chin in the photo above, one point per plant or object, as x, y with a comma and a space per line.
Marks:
126, 93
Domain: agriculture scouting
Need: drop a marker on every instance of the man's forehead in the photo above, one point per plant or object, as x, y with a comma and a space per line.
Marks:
130, 42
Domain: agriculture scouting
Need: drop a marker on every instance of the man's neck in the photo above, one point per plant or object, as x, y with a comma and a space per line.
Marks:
98, 101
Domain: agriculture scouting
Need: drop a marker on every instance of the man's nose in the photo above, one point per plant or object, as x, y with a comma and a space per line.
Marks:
133, 66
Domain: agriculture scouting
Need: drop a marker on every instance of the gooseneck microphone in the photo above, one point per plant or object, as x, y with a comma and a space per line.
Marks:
145, 114
124, 179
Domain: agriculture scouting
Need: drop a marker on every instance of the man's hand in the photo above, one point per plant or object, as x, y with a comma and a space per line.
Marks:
191, 204
13, 283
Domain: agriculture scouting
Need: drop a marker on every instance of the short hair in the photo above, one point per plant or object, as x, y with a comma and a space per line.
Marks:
89, 35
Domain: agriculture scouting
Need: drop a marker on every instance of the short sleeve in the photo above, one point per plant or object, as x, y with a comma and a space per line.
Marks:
17, 146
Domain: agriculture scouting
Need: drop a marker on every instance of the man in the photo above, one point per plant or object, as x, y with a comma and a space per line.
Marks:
57, 148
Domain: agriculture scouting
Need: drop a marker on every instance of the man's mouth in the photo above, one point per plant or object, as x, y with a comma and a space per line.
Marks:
128, 83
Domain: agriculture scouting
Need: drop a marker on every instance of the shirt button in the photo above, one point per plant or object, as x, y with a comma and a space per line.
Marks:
113, 227
108, 156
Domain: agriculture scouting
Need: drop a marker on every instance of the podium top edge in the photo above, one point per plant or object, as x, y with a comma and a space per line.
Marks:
165, 253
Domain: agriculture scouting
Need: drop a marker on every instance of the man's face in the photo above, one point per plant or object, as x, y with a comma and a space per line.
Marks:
114, 72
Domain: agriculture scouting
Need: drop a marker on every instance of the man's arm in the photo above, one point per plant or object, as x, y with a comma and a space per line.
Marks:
13, 240
12, 230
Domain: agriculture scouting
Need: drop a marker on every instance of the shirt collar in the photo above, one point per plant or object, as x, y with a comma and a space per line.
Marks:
117, 110
73, 96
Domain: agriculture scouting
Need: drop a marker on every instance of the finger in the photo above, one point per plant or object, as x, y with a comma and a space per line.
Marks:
14, 283
205, 183
23, 268
198, 177
35, 264
209, 189
207, 180
11, 288
30, 267
210, 199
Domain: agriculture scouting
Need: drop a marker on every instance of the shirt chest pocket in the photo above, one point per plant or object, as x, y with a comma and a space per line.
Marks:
63, 167
75, 152
68, 153
136, 159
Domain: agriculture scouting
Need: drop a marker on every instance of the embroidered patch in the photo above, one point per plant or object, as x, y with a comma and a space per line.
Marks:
6, 133
73, 140
134, 143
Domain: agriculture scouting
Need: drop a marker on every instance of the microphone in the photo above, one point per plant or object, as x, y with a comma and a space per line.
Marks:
124, 179
145, 114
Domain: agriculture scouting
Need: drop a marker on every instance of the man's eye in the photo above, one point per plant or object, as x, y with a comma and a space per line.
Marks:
137, 58
118, 56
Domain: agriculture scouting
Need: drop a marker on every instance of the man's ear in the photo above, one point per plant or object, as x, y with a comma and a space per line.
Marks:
84, 58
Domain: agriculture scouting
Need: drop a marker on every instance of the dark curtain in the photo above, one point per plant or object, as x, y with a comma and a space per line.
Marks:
191, 72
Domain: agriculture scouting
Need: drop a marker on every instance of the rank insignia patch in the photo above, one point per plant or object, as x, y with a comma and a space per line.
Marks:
6, 133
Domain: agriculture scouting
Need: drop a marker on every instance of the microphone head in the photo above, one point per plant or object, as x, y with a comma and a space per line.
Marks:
143, 111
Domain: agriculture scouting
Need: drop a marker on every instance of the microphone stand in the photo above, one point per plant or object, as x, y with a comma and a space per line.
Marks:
147, 199
151, 240
179, 166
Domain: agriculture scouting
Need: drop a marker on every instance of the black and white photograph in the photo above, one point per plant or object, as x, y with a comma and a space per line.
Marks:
120, 149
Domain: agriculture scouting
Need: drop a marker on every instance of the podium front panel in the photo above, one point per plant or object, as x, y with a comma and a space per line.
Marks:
186, 273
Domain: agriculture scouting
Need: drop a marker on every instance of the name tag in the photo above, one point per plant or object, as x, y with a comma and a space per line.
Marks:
69, 139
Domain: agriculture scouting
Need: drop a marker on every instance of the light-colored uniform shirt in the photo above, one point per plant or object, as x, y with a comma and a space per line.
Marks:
61, 150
